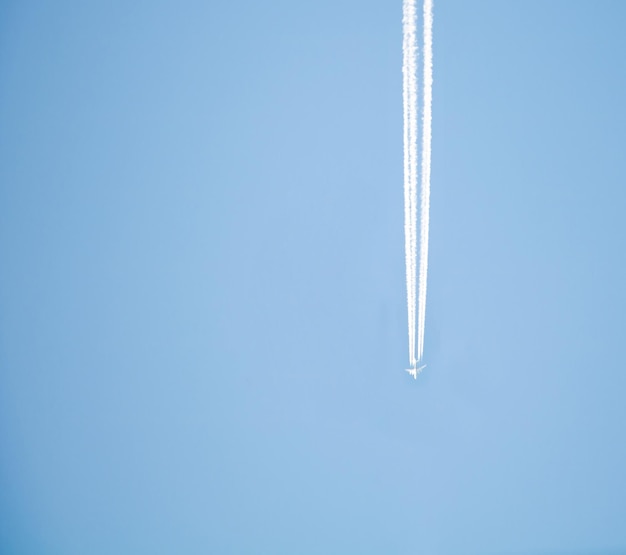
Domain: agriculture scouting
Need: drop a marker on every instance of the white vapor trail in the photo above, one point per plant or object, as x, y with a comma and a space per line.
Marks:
425, 185
409, 98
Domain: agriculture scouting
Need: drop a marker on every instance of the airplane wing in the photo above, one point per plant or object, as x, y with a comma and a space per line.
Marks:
415, 370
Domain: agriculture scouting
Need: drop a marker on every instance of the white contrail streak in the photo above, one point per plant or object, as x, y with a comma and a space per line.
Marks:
409, 97
425, 185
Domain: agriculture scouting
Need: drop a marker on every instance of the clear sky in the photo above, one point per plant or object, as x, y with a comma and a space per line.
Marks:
202, 296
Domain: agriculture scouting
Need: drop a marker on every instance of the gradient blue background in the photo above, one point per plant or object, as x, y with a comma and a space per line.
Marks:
202, 299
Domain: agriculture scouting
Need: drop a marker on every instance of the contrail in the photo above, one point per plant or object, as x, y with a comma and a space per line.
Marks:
409, 98
425, 186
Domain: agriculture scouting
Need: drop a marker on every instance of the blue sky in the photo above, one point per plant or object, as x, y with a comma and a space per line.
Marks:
202, 296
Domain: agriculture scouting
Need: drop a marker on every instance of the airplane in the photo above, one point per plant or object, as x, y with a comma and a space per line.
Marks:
415, 370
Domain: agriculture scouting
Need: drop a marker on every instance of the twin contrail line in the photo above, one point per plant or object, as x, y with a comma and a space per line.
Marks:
409, 98
425, 192
416, 292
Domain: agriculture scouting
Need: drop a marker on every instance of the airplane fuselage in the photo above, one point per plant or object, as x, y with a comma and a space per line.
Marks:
415, 370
